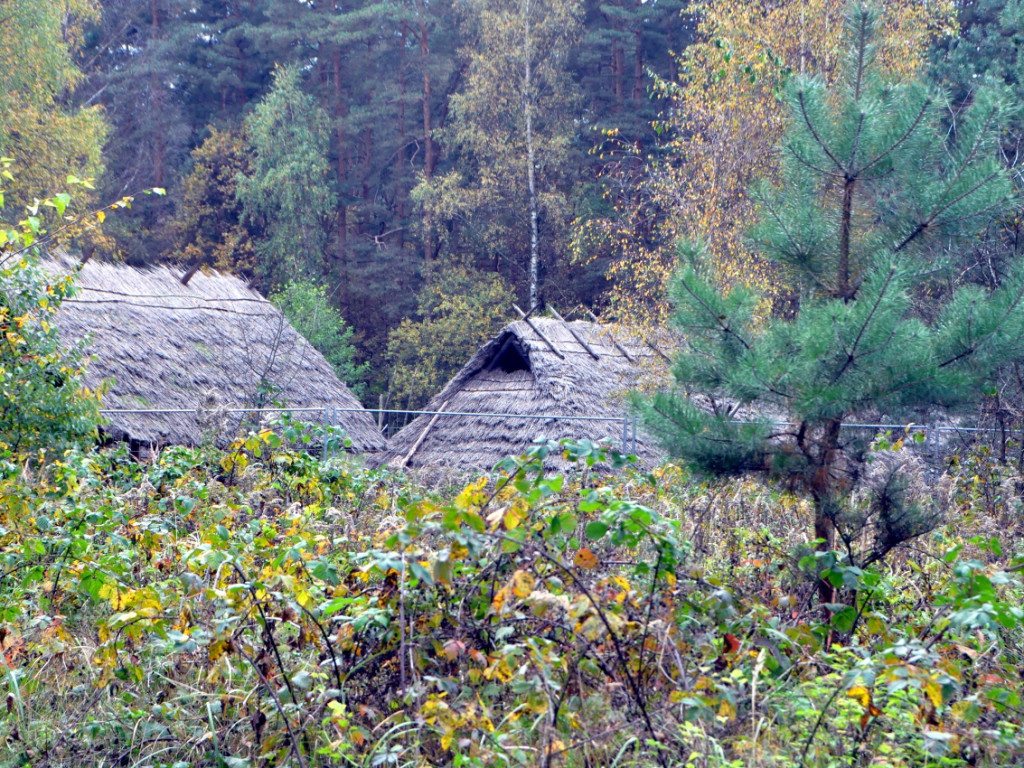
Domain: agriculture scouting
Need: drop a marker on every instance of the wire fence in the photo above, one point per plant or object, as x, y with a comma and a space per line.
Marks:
330, 419
937, 440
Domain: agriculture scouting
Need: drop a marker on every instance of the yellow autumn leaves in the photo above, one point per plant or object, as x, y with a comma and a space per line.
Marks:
726, 119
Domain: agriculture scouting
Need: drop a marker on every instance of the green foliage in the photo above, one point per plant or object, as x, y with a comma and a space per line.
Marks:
287, 195
988, 47
873, 197
207, 227
460, 309
43, 402
310, 312
255, 605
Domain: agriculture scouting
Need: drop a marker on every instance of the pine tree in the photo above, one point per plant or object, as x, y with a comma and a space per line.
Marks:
875, 196
988, 48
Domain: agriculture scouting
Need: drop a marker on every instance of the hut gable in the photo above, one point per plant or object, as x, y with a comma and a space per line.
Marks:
166, 345
542, 377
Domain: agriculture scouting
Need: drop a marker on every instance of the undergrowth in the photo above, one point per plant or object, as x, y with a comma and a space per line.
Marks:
258, 607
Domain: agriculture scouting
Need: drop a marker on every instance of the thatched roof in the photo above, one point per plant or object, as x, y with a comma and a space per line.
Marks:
167, 345
536, 376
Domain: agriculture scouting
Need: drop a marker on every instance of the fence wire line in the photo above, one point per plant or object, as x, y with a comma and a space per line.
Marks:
911, 427
932, 433
324, 409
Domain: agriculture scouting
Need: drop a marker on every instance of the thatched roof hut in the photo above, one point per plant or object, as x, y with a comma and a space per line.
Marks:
199, 348
542, 377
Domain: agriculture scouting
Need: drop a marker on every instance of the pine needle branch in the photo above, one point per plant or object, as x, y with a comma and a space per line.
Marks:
814, 132
852, 352
914, 125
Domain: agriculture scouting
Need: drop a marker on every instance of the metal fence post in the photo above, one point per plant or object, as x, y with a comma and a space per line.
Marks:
335, 422
323, 456
625, 434
933, 450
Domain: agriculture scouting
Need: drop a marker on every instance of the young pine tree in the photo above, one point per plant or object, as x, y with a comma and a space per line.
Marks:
873, 199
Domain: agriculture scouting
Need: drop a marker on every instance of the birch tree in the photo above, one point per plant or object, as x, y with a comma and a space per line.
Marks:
512, 127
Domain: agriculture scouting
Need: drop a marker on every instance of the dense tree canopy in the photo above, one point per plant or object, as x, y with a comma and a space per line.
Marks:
561, 145
426, 144
726, 120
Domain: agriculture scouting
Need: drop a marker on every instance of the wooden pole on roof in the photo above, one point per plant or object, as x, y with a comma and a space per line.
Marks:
191, 273
423, 435
543, 338
665, 357
612, 337
568, 327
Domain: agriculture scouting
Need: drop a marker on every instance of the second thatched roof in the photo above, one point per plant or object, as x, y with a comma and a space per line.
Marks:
544, 377
211, 344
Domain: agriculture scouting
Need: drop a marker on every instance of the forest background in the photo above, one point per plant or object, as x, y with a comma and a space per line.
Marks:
417, 166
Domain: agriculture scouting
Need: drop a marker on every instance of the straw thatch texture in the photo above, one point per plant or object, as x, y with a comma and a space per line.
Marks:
214, 342
517, 374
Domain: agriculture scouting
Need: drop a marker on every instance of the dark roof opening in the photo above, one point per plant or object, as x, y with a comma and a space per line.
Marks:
510, 357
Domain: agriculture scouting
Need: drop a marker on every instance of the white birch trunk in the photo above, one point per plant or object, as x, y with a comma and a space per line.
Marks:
530, 167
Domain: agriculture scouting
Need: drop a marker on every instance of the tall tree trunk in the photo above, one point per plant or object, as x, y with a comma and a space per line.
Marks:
530, 162
399, 167
243, 97
618, 70
638, 66
826, 503
429, 159
340, 112
367, 161
157, 94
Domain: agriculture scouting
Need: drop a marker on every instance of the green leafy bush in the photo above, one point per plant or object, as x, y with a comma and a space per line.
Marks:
43, 401
256, 606
310, 312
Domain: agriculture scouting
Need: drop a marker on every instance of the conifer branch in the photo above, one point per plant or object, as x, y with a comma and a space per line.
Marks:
768, 387
915, 123
996, 327
960, 171
814, 132
785, 230
808, 164
921, 227
850, 354
724, 327
976, 145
